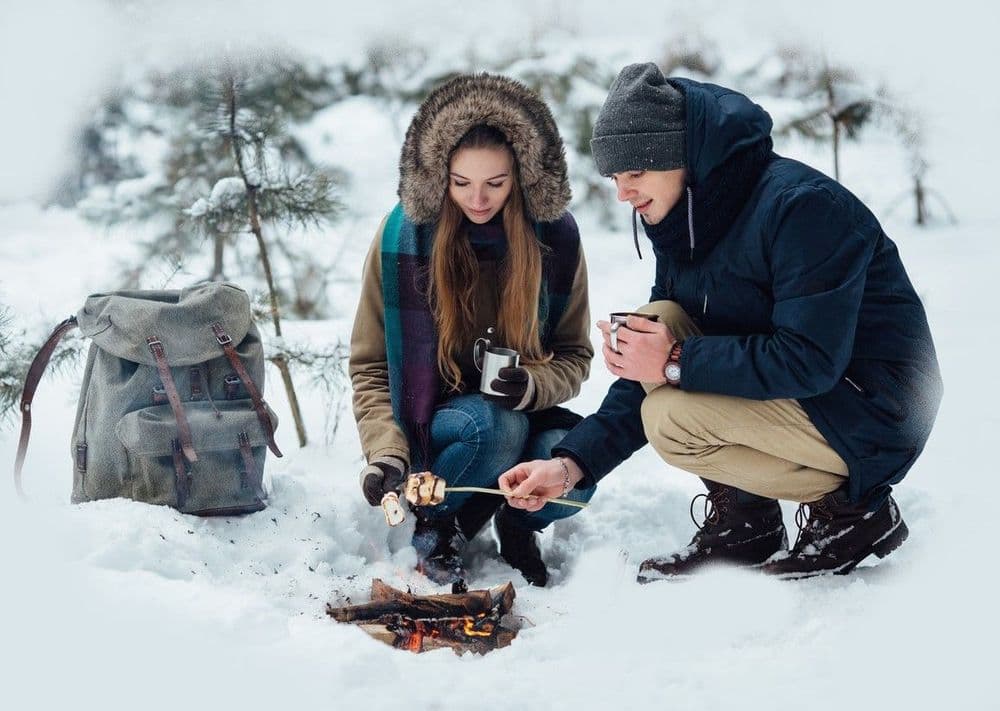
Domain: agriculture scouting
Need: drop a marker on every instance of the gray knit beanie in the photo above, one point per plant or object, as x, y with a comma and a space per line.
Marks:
641, 125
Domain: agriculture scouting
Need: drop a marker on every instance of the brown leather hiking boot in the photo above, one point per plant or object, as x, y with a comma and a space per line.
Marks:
519, 547
835, 535
739, 529
439, 543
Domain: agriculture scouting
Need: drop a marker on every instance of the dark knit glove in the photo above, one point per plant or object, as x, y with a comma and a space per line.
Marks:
513, 383
381, 476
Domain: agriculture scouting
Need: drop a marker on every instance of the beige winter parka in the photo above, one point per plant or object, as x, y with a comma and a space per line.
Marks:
440, 122
554, 382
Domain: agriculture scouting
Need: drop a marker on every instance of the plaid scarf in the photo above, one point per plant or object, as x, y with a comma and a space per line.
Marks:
410, 333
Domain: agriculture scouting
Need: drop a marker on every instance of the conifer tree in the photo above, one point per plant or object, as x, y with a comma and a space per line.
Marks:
16, 354
837, 103
173, 116
909, 128
261, 191
9, 390
691, 54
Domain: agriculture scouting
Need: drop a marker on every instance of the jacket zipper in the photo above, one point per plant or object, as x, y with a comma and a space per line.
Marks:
854, 385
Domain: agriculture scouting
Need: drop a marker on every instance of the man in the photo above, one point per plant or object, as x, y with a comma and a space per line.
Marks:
791, 358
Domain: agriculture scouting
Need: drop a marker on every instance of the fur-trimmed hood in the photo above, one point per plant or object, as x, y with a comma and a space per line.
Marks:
448, 113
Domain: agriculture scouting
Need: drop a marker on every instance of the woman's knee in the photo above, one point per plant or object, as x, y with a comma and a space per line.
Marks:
540, 445
475, 420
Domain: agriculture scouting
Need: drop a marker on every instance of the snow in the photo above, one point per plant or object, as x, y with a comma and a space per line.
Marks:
226, 193
115, 604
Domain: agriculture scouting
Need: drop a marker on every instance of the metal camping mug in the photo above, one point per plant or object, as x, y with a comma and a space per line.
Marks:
489, 359
618, 320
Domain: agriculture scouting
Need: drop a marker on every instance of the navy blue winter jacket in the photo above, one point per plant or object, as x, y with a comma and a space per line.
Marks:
804, 296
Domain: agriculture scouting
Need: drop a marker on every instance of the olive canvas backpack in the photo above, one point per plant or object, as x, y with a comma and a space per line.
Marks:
171, 409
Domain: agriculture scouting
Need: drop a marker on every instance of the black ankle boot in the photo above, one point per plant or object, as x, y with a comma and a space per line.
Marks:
476, 512
439, 543
740, 529
519, 548
835, 535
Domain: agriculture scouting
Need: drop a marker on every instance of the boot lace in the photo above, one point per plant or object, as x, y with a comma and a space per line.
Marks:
809, 520
715, 505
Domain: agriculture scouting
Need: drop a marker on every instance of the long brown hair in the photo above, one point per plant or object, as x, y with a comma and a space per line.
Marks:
455, 270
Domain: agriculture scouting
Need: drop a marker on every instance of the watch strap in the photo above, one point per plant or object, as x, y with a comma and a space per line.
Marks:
674, 356
673, 359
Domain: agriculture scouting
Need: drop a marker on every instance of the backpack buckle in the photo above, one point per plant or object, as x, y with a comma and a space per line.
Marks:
232, 386
220, 335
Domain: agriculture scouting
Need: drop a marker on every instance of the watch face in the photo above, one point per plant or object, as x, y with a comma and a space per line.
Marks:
673, 372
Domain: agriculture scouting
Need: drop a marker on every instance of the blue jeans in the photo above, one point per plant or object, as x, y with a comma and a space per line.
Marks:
474, 441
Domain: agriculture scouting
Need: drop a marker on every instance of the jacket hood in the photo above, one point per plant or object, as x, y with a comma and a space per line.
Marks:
448, 113
720, 122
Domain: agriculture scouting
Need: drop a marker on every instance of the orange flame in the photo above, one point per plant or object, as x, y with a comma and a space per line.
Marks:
477, 626
419, 632
415, 632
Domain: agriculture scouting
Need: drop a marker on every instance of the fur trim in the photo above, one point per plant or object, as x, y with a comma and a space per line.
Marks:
450, 111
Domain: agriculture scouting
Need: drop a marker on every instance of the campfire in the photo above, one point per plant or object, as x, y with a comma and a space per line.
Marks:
472, 621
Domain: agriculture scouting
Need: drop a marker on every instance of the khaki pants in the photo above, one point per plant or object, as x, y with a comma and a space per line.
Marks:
766, 447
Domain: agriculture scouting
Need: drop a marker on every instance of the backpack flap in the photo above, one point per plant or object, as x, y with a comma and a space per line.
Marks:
226, 479
121, 322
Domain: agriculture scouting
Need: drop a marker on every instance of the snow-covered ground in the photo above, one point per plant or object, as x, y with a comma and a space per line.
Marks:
116, 604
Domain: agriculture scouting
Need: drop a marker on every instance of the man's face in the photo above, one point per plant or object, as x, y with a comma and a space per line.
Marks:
652, 192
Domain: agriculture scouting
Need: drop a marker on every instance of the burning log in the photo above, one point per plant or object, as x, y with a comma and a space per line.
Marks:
387, 600
463, 622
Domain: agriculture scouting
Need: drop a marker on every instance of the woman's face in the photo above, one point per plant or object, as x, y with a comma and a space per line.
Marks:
480, 181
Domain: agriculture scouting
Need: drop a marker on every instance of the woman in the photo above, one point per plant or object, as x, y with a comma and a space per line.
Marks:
480, 239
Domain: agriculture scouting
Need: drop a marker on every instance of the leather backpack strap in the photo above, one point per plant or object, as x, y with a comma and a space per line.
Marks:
173, 397
250, 466
180, 473
31, 381
258, 401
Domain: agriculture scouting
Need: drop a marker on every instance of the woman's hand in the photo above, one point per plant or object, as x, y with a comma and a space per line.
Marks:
381, 476
513, 382
530, 484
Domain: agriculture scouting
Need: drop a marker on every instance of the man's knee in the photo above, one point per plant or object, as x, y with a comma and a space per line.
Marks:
662, 429
673, 315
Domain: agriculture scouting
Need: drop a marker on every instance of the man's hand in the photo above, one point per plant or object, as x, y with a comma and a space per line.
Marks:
529, 484
381, 476
513, 383
643, 346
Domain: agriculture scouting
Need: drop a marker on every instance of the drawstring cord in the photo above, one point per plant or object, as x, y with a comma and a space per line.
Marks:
635, 224
635, 232
208, 391
691, 220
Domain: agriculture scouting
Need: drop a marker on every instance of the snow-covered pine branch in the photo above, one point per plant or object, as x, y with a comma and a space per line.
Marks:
16, 354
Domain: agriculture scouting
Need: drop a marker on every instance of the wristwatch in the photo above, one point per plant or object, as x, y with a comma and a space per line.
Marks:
672, 370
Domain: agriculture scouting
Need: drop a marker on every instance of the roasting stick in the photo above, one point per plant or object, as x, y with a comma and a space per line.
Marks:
428, 490
497, 492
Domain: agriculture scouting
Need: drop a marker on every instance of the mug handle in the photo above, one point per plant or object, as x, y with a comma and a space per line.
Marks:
615, 325
478, 350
